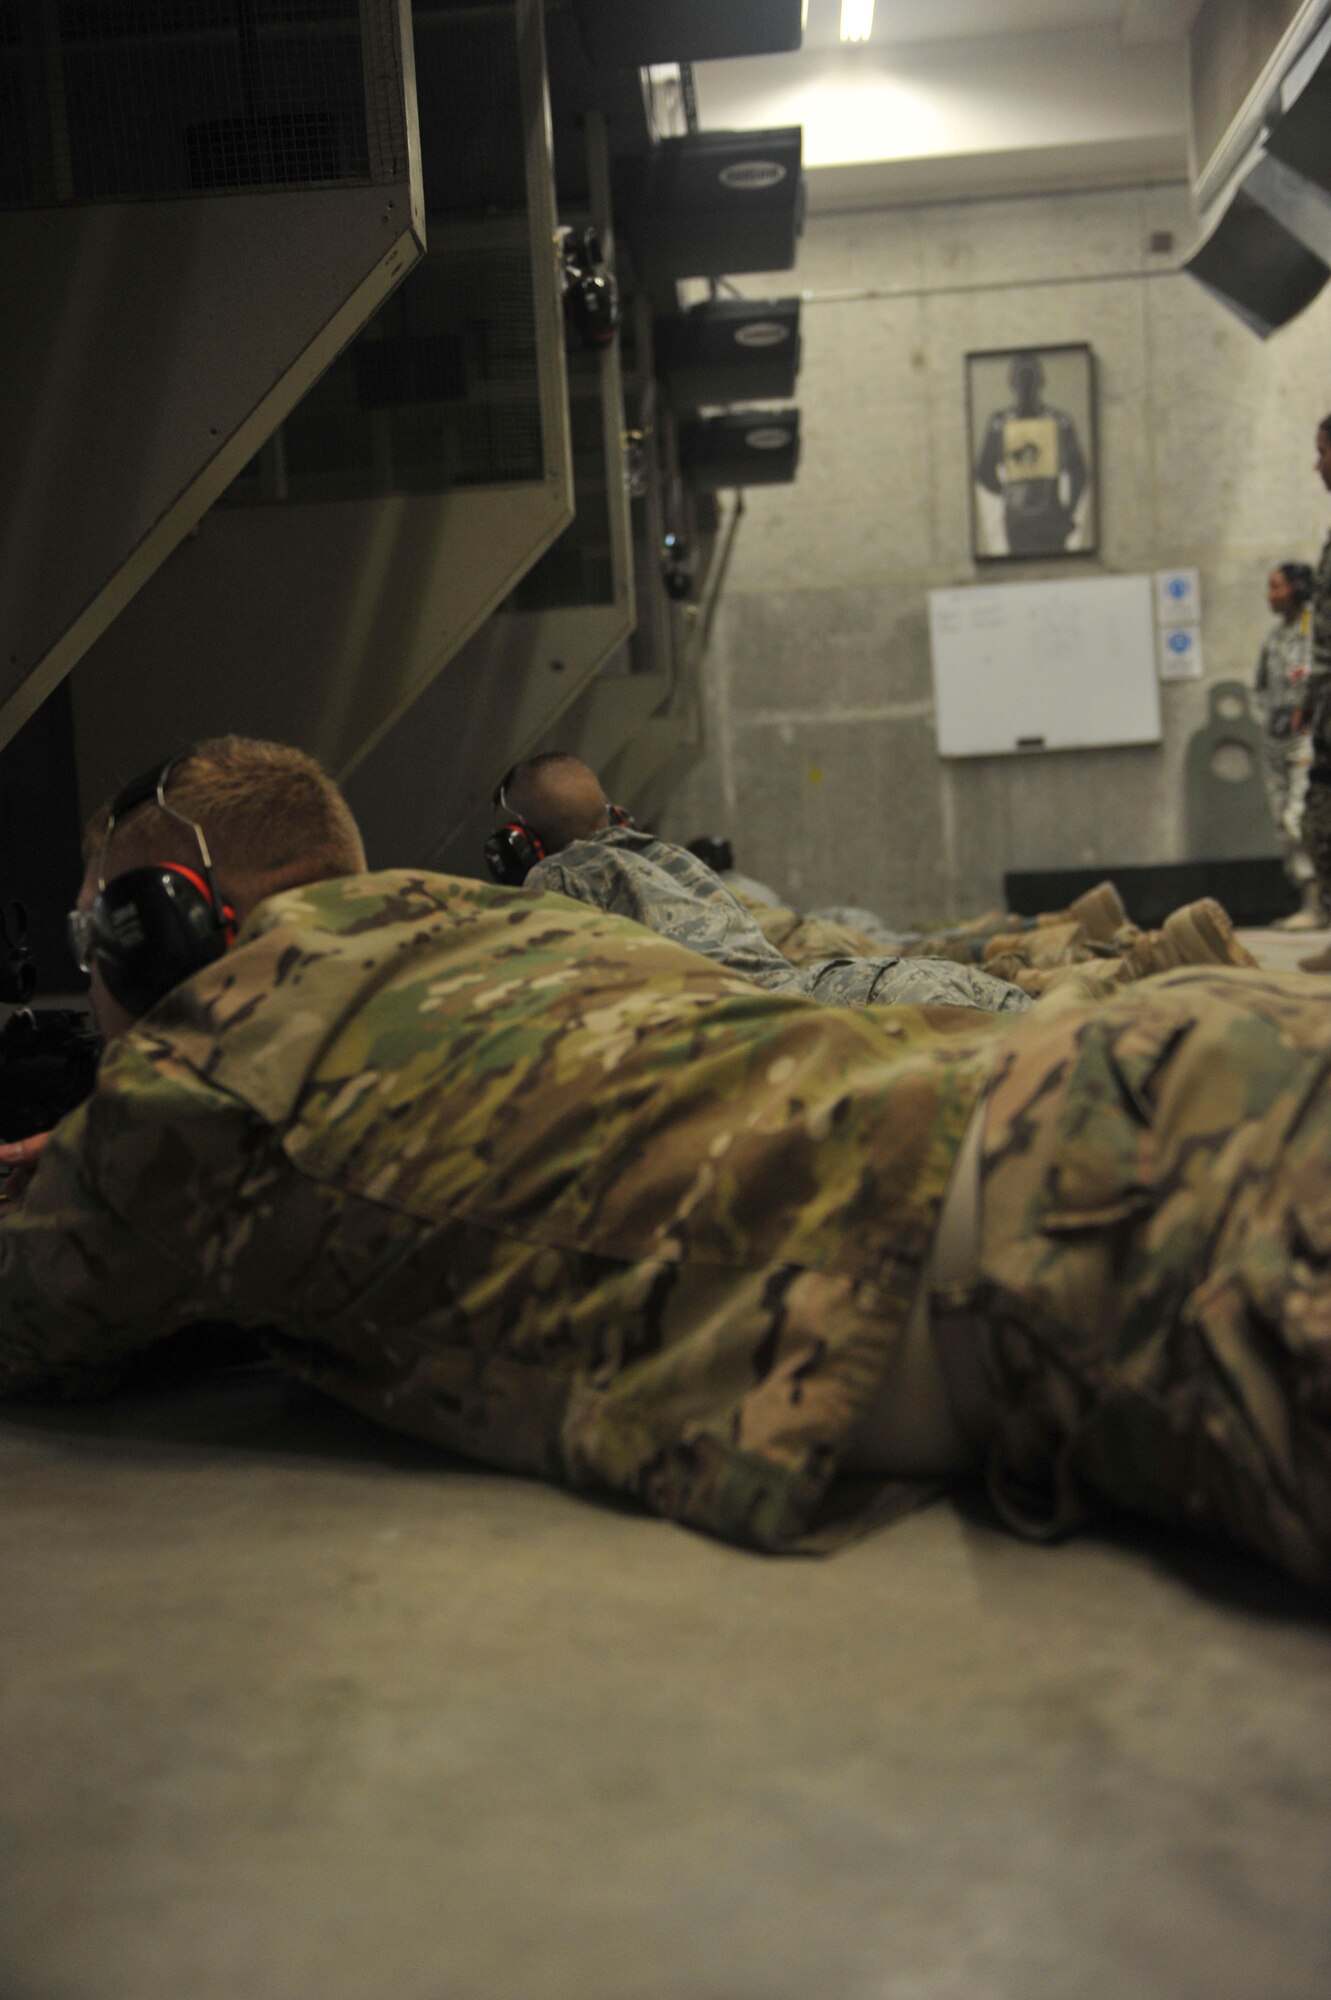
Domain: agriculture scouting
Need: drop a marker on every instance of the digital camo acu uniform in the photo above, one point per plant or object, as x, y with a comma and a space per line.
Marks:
1281, 688
672, 892
1317, 809
515, 1176
808, 940
1156, 1260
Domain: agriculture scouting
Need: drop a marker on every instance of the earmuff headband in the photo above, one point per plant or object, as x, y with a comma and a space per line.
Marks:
152, 785
157, 925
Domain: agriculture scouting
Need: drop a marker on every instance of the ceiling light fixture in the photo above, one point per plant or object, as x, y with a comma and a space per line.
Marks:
856, 20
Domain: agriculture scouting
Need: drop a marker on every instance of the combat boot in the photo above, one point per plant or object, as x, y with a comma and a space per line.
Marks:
1046, 944
1100, 912
1199, 933
1140, 953
1202, 933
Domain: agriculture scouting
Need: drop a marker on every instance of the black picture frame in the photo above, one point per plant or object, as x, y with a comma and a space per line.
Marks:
1034, 458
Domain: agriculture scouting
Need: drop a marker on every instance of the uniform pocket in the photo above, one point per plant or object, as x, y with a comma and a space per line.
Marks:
1105, 1158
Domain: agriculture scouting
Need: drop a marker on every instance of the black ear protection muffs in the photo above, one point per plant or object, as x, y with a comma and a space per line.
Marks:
152, 927
514, 848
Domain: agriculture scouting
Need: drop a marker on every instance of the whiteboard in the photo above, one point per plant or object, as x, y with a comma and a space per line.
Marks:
1044, 666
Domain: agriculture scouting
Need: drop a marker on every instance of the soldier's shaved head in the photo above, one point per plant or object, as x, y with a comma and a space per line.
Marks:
558, 797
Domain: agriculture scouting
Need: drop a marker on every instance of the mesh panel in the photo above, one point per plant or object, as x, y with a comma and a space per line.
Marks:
441, 389
472, 142
127, 100
579, 569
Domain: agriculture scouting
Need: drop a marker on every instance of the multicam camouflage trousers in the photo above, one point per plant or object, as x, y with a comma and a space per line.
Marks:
1156, 1260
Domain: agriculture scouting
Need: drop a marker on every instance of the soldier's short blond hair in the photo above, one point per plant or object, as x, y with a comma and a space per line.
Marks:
272, 817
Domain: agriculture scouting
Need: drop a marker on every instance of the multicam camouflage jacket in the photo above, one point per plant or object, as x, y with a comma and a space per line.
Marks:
673, 893
517, 1177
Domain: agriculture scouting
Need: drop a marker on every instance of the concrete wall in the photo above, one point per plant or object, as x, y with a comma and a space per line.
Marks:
907, 99
821, 760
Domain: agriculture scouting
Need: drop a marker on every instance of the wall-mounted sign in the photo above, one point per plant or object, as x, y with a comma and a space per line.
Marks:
1181, 652
1178, 597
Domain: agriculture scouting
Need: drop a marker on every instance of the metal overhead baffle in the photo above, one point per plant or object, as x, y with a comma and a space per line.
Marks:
1266, 248
370, 537
199, 206
1256, 266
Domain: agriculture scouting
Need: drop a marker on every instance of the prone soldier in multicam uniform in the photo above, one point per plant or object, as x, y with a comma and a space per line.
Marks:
524, 1179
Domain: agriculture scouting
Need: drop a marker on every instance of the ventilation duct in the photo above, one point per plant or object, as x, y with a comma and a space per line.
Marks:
1300, 136
1300, 206
729, 351
1257, 267
1238, 52
402, 499
1266, 252
199, 205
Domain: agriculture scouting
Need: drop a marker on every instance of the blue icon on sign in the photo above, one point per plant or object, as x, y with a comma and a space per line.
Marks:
1177, 587
1179, 642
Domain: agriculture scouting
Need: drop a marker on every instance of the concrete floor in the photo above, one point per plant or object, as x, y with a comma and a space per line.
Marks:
294, 1710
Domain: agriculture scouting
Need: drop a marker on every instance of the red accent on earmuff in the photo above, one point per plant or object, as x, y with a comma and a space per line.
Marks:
190, 875
521, 826
226, 915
